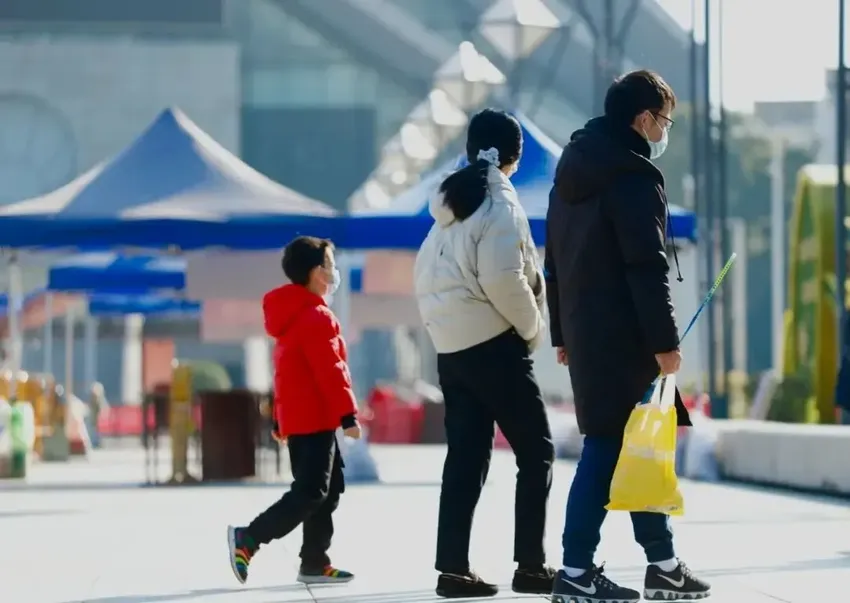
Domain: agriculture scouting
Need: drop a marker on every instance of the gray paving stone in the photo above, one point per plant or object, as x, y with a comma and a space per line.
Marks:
85, 532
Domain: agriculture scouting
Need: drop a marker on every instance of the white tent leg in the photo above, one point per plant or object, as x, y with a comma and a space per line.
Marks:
131, 366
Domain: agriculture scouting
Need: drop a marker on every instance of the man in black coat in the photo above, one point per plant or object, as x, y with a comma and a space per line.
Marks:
612, 319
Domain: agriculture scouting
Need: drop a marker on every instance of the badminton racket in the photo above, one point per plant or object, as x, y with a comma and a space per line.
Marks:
693, 321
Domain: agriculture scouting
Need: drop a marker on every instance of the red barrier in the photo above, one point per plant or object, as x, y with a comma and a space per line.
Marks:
700, 404
391, 419
126, 420
123, 420
696, 404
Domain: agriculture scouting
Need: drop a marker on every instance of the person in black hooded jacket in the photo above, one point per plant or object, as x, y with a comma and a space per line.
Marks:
612, 319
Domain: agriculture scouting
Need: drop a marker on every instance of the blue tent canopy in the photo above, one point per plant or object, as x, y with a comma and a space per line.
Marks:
406, 222
101, 305
174, 186
115, 273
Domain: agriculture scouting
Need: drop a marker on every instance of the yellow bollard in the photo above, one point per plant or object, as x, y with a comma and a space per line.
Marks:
5, 384
180, 423
34, 392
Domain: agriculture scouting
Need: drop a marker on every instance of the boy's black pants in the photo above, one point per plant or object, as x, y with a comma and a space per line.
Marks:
492, 382
311, 500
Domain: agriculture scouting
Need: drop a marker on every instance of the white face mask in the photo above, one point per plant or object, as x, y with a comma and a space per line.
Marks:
656, 149
336, 278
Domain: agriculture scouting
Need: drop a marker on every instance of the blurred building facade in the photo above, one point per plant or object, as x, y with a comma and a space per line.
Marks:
297, 89
825, 120
309, 96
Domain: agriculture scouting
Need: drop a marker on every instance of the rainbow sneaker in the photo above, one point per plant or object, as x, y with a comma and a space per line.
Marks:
326, 575
242, 548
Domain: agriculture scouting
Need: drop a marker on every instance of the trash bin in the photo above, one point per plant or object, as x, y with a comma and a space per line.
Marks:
228, 434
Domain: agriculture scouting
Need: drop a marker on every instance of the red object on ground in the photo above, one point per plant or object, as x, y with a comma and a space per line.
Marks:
701, 404
696, 404
118, 421
123, 420
79, 442
393, 420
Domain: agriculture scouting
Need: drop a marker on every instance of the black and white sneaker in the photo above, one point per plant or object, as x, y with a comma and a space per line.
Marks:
678, 585
591, 587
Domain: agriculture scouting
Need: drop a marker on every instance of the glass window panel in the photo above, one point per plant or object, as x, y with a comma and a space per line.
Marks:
273, 35
105, 11
350, 84
290, 86
394, 106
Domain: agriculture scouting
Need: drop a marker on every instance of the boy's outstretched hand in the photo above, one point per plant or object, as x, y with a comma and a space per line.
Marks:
354, 432
280, 439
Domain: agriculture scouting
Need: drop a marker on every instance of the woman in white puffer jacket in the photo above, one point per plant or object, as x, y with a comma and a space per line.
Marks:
481, 293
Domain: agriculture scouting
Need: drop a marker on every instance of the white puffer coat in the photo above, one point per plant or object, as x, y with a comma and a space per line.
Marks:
478, 278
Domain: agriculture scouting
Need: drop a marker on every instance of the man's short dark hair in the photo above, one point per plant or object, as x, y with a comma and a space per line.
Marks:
303, 254
635, 92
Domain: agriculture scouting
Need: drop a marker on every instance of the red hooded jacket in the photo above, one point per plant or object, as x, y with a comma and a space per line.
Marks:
312, 383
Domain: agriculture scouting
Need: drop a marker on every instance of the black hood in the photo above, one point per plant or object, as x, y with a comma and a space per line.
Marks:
596, 155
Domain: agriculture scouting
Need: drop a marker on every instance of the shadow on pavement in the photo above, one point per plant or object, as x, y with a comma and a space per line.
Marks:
835, 499
751, 520
195, 594
71, 486
37, 513
124, 486
840, 560
413, 596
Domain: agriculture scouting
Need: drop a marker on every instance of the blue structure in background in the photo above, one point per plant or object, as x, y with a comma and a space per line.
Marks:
174, 186
406, 222
115, 273
102, 305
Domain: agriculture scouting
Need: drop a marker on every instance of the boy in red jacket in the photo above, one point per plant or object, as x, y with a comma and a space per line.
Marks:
313, 397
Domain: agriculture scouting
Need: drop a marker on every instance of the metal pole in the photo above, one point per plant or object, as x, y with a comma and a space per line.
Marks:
69, 362
708, 159
515, 85
723, 223
840, 189
610, 46
48, 334
777, 250
15, 305
696, 164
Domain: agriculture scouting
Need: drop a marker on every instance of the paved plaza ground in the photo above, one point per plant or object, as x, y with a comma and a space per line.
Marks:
86, 532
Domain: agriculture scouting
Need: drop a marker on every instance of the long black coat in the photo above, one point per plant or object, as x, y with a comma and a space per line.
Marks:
607, 273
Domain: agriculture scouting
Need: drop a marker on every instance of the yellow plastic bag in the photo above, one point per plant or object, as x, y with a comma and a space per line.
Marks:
645, 477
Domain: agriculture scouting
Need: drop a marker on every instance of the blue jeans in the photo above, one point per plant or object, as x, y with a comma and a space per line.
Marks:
586, 509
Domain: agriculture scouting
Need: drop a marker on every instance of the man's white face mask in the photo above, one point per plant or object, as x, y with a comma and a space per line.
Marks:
656, 149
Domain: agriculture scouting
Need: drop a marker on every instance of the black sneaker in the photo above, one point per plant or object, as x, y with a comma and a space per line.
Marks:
533, 581
678, 585
462, 586
591, 587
